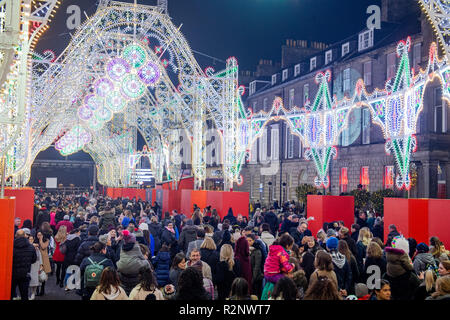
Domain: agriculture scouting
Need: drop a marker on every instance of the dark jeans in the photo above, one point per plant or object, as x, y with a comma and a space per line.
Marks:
24, 284
59, 268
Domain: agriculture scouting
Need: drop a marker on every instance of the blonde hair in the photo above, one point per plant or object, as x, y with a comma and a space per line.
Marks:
208, 243
374, 250
430, 280
61, 235
227, 255
442, 286
365, 236
321, 235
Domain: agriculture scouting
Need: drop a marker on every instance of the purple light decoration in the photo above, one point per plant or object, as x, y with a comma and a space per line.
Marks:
149, 73
85, 113
103, 87
92, 102
117, 68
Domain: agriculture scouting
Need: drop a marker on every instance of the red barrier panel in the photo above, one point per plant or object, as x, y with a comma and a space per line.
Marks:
185, 204
439, 220
24, 202
7, 209
171, 200
239, 201
410, 216
126, 193
329, 209
215, 200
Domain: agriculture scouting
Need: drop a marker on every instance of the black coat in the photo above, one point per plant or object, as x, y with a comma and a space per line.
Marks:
225, 277
308, 264
351, 245
403, 287
72, 249
272, 220
298, 237
24, 255
41, 218
84, 249
381, 263
211, 257
156, 231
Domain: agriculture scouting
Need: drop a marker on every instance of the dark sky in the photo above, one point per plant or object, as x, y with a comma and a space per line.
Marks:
247, 29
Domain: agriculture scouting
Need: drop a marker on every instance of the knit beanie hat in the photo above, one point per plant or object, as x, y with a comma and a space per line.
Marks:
361, 290
422, 248
103, 238
128, 237
331, 232
332, 243
401, 243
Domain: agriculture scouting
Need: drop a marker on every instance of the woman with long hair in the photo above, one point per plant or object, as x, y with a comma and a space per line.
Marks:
374, 256
323, 289
444, 268
43, 238
242, 254
427, 287
226, 271
344, 249
285, 289
240, 289
209, 254
438, 251
364, 238
58, 256
147, 286
383, 292
324, 268
178, 265
109, 287
442, 289
190, 286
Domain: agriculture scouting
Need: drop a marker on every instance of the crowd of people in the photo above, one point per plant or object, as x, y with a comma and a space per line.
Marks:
130, 249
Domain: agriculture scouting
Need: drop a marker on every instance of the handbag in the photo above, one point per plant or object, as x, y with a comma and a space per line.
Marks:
42, 276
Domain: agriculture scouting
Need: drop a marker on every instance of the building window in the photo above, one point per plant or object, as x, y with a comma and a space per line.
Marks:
254, 106
328, 56
417, 56
389, 177
312, 63
345, 48
291, 97
368, 73
265, 104
275, 143
364, 178
365, 40
391, 65
343, 180
290, 143
285, 74
440, 117
296, 70
346, 82
365, 126
274, 79
305, 94
252, 88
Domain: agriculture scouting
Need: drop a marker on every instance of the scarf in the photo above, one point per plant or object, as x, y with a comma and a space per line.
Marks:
171, 230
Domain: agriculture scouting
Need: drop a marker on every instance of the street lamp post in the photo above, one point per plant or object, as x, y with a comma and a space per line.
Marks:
270, 192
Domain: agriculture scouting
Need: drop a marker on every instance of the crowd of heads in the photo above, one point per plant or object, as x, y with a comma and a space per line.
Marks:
131, 249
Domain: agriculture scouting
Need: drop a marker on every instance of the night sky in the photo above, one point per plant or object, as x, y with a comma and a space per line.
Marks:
247, 29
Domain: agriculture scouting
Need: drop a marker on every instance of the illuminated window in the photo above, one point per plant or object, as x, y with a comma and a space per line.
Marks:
389, 177
291, 97
364, 178
305, 94
343, 180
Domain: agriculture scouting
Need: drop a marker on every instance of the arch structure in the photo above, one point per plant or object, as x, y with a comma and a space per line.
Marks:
129, 69
395, 109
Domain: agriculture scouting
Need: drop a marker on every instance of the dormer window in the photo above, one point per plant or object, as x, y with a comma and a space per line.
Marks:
328, 56
285, 74
252, 89
312, 63
345, 48
365, 40
296, 70
274, 79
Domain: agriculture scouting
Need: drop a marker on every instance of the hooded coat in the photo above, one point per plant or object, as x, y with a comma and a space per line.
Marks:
156, 231
342, 270
403, 280
84, 250
242, 254
107, 221
211, 257
277, 261
422, 261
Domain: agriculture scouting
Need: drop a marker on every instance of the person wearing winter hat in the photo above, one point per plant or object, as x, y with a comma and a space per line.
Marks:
400, 270
361, 291
423, 259
65, 222
131, 262
341, 266
125, 222
84, 248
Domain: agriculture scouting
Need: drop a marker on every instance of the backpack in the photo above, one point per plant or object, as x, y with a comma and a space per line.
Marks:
93, 273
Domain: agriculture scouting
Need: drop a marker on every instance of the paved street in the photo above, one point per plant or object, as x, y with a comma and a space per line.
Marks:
54, 292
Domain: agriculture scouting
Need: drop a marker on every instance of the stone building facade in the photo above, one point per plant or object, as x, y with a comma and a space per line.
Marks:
278, 157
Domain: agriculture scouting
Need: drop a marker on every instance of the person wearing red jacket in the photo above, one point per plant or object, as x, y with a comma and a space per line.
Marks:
65, 222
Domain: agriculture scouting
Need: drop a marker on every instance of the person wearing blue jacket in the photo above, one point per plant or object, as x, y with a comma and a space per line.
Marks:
161, 263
